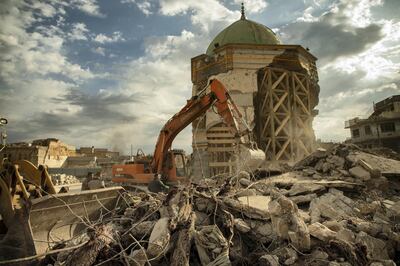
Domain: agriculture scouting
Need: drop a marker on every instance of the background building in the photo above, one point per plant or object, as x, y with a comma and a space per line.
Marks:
381, 128
51, 152
97, 152
275, 86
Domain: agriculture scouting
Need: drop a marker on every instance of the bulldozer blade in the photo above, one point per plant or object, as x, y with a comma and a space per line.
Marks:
56, 217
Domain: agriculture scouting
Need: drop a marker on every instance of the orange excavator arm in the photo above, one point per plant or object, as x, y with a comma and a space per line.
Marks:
195, 107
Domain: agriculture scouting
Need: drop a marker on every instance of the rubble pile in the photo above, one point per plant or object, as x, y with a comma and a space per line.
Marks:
336, 207
63, 179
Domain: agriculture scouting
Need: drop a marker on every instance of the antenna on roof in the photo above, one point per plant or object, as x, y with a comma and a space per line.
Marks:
242, 10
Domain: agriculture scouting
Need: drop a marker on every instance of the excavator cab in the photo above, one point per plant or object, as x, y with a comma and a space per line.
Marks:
177, 167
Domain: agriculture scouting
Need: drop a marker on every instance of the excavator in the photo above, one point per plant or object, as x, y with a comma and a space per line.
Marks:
34, 215
168, 165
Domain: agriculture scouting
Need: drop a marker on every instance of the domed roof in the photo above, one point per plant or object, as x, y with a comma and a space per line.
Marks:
243, 31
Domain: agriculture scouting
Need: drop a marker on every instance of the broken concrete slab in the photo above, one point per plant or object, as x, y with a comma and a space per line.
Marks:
375, 173
211, 245
376, 248
360, 173
241, 225
287, 223
159, 239
388, 167
321, 232
256, 202
253, 208
303, 198
304, 188
261, 231
332, 205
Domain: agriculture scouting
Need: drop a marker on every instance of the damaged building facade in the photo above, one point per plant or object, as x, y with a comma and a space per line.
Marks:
381, 128
275, 87
51, 152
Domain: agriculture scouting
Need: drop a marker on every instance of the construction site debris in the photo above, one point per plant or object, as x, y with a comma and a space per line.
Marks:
63, 179
323, 212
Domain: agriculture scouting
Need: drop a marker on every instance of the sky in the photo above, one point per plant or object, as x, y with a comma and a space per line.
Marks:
110, 73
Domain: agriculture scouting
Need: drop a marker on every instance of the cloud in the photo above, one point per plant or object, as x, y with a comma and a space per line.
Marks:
355, 67
145, 6
90, 7
162, 77
253, 6
334, 33
115, 37
79, 32
207, 15
65, 111
35, 68
99, 50
25, 53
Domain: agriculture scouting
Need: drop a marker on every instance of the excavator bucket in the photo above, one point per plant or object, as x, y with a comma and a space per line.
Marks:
46, 217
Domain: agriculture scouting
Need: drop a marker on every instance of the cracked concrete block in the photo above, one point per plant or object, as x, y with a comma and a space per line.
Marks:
159, 238
321, 232
360, 173
376, 248
287, 222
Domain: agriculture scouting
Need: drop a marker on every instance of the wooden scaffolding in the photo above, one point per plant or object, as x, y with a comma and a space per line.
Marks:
221, 149
284, 114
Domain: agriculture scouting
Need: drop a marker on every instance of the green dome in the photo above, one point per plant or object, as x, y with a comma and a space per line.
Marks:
244, 31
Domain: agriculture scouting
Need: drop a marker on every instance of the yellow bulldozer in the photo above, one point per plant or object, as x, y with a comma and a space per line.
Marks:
34, 216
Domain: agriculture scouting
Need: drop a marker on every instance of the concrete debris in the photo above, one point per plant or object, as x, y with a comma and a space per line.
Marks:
63, 179
304, 188
330, 209
287, 222
159, 238
321, 232
212, 246
256, 202
360, 173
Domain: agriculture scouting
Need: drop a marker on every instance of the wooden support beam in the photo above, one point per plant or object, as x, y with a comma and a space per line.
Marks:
283, 149
282, 125
279, 103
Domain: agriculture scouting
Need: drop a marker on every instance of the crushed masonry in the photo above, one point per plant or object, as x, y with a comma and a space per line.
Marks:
335, 207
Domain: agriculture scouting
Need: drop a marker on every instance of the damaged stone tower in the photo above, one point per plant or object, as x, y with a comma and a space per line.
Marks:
275, 87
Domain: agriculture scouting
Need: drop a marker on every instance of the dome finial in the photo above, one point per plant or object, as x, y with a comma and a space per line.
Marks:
242, 9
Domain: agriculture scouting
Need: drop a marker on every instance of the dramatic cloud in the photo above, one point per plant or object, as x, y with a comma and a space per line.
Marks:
358, 60
208, 15
334, 34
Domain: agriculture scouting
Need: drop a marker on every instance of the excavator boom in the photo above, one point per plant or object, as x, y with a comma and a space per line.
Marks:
168, 166
195, 107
